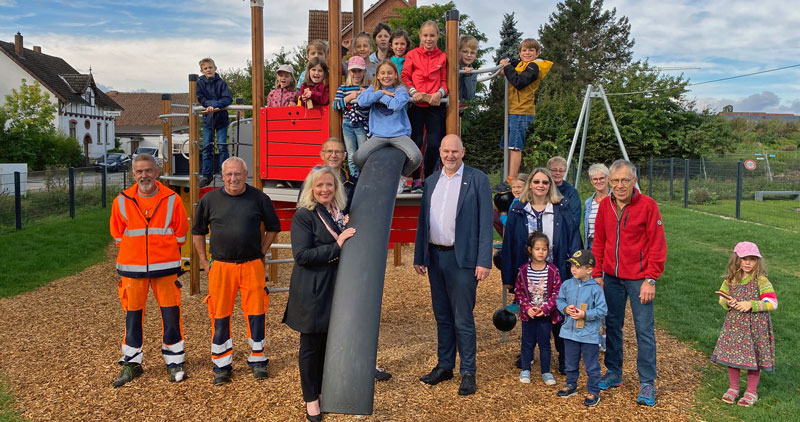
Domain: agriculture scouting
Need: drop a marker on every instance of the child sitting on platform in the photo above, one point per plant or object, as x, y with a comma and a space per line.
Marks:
315, 89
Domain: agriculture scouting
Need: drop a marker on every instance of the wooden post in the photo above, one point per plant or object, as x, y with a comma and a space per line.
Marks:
358, 18
194, 187
452, 123
166, 133
257, 32
335, 62
398, 254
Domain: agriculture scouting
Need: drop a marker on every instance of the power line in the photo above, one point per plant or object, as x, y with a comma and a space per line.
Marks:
704, 82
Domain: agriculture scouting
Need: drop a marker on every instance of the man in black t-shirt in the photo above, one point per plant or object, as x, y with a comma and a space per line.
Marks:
238, 246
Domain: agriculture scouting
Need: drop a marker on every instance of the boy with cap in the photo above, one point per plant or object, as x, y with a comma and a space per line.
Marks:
583, 304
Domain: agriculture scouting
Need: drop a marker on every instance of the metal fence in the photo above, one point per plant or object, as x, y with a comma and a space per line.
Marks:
28, 199
762, 188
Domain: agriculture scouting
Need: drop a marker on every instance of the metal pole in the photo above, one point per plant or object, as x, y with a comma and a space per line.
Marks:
71, 192
166, 133
739, 187
583, 136
686, 183
103, 190
18, 199
505, 132
194, 187
671, 176
613, 123
453, 123
257, 32
577, 130
239, 116
124, 180
650, 177
335, 62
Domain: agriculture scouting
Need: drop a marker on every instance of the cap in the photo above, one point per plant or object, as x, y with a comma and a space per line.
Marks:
286, 68
582, 258
356, 62
744, 249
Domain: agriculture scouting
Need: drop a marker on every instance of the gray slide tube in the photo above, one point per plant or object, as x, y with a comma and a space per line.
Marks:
348, 381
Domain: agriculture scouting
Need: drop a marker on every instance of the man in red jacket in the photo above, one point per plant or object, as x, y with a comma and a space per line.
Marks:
630, 249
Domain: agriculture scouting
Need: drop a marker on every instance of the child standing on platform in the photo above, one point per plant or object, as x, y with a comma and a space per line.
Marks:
536, 288
425, 75
354, 117
285, 92
467, 82
213, 94
381, 36
316, 48
746, 341
400, 44
583, 303
362, 47
315, 88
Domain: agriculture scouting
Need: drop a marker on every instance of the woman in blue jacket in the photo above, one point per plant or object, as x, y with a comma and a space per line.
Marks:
540, 208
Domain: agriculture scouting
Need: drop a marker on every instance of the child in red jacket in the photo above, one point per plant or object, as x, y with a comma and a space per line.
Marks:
425, 76
315, 86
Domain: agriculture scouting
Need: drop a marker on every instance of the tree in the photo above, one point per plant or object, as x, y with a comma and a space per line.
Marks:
510, 38
29, 108
585, 44
727, 109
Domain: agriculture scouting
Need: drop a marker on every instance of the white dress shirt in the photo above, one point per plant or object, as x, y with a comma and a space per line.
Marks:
444, 204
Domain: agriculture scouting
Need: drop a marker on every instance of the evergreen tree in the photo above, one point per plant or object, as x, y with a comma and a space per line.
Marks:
510, 38
585, 43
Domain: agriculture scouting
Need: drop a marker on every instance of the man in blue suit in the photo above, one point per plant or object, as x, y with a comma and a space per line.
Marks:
454, 248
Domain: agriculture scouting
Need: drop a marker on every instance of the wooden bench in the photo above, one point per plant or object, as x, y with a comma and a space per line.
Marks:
762, 193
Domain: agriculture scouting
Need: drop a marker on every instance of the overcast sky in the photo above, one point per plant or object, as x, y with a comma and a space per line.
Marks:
153, 45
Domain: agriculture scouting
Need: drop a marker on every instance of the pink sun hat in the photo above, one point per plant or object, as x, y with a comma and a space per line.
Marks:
744, 249
356, 62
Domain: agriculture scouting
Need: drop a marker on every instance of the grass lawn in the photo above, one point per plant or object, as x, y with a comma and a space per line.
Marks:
7, 413
699, 247
780, 213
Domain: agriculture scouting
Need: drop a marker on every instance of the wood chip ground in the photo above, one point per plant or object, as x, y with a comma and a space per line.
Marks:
60, 344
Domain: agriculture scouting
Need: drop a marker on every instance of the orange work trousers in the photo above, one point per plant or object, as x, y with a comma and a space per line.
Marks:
224, 280
133, 297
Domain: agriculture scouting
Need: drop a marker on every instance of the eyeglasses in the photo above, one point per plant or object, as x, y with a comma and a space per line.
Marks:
615, 182
558, 170
540, 182
333, 151
598, 179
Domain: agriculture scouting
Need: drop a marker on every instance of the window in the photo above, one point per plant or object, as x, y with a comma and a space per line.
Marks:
89, 96
73, 129
107, 141
99, 139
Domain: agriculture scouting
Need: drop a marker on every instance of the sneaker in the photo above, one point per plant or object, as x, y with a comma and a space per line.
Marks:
222, 377
567, 390
513, 307
402, 185
525, 377
128, 373
260, 372
416, 186
647, 394
591, 400
436, 376
204, 181
610, 379
381, 375
548, 379
176, 373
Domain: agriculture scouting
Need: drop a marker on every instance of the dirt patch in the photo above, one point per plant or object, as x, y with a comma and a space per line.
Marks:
61, 343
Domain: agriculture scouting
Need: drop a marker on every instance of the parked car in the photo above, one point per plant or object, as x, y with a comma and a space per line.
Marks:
151, 151
116, 162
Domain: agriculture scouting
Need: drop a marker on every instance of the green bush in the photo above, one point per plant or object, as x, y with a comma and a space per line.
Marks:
702, 196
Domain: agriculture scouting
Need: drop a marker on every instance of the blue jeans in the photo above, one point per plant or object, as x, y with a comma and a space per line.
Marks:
518, 125
590, 352
617, 291
209, 168
536, 331
453, 298
354, 137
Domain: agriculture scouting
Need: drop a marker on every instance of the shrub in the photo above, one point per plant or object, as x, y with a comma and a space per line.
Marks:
702, 196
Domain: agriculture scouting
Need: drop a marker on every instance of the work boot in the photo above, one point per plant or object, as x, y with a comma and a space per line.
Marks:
222, 377
176, 373
260, 372
128, 373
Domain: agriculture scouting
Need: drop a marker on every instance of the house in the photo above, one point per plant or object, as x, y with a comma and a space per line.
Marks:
381, 11
85, 113
139, 125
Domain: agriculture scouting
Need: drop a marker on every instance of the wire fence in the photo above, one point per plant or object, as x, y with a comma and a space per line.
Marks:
762, 188
27, 199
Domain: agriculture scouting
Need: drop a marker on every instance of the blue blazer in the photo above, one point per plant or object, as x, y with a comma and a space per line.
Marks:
566, 240
474, 216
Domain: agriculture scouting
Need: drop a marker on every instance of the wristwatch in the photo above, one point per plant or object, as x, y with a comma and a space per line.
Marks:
650, 281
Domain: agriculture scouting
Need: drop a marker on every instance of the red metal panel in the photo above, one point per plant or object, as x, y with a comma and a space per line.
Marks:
296, 112
276, 149
404, 223
406, 211
262, 140
294, 125
288, 173
403, 236
313, 137
293, 161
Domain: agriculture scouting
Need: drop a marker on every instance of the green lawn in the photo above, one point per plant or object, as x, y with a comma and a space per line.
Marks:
779, 213
50, 250
699, 247
7, 413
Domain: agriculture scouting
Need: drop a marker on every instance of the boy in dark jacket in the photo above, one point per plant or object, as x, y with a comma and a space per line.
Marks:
213, 94
583, 304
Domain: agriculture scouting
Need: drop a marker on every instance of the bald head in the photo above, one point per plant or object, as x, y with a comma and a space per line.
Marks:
453, 141
451, 152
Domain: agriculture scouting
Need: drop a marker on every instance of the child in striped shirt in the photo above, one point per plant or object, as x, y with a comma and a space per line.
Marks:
747, 340
354, 117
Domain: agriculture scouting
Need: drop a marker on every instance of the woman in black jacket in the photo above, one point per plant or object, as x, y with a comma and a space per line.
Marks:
318, 233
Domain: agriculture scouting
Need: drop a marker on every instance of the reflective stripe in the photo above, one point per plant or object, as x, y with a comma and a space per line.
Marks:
175, 348
121, 203
181, 239
131, 354
257, 346
223, 361
118, 239
174, 359
142, 232
221, 348
153, 267
255, 359
170, 203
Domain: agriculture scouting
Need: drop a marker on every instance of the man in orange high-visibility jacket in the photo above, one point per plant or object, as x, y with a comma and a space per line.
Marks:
234, 215
149, 225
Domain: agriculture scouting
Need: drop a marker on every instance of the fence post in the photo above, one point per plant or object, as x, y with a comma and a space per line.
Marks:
650, 177
686, 183
71, 192
103, 189
671, 177
124, 180
739, 187
18, 199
